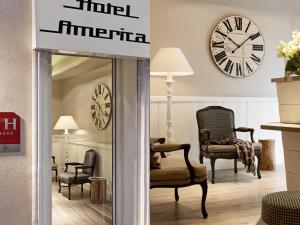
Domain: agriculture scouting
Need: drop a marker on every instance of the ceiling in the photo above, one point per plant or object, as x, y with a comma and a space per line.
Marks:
65, 67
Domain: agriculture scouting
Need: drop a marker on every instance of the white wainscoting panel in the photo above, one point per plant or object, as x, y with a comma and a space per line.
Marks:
249, 112
77, 150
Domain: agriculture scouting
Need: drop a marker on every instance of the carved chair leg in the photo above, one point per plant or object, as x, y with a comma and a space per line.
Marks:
56, 175
69, 187
258, 165
176, 194
201, 158
59, 186
235, 166
81, 188
212, 163
204, 194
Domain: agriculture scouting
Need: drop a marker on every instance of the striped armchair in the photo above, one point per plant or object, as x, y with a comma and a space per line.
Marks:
217, 123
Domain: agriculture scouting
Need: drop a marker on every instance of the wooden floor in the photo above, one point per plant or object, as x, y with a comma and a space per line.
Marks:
75, 211
232, 200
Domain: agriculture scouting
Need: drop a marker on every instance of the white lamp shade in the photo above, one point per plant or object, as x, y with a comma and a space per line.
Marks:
66, 122
170, 61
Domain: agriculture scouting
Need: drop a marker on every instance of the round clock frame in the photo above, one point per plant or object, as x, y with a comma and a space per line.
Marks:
237, 46
101, 106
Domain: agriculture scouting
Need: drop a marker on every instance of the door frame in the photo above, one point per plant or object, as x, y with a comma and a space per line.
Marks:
137, 211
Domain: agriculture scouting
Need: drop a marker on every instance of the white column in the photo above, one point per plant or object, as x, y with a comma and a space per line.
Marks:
170, 130
42, 189
131, 144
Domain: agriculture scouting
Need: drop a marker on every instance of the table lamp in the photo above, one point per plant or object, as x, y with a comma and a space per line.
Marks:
66, 123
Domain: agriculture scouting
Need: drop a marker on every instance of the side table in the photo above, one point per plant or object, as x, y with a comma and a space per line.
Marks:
268, 154
98, 189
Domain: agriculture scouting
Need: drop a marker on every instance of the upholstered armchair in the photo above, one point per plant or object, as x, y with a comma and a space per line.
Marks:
176, 171
217, 123
54, 167
74, 178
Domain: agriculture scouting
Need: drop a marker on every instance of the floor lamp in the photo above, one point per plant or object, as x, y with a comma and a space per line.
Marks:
170, 62
66, 123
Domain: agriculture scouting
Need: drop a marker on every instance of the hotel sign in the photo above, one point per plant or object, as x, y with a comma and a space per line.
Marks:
10, 134
115, 27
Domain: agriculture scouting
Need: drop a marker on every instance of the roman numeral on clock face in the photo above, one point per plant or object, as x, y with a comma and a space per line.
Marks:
220, 56
255, 59
95, 91
238, 23
228, 26
249, 68
99, 89
218, 44
221, 33
247, 28
229, 66
238, 70
258, 48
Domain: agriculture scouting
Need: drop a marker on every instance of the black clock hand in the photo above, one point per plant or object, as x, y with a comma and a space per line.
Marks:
242, 44
233, 41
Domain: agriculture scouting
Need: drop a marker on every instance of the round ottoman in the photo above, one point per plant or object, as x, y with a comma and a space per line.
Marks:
281, 208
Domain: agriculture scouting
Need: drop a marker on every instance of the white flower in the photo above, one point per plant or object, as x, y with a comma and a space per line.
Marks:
280, 52
290, 49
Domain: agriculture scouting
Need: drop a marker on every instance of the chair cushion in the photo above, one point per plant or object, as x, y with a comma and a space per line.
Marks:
226, 148
175, 172
281, 208
69, 177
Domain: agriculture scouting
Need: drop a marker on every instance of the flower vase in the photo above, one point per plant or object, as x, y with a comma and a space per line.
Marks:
292, 66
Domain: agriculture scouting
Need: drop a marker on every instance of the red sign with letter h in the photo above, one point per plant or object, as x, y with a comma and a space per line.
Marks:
9, 128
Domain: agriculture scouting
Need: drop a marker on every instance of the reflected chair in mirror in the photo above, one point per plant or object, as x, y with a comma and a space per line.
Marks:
54, 167
74, 178
217, 123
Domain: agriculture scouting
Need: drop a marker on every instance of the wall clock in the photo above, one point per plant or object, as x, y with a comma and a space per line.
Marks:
101, 106
237, 46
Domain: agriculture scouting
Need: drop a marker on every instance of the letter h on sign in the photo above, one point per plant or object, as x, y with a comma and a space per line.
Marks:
13, 124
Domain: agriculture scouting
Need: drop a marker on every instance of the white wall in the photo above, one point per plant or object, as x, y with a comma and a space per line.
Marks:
188, 25
15, 96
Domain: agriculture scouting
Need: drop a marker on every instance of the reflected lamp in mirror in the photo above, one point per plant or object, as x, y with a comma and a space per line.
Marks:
66, 123
170, 62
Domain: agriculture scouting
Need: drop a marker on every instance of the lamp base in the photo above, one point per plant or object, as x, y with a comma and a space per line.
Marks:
66, 132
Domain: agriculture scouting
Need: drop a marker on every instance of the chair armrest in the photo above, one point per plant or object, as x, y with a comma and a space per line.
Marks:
246, 129
53, 159
158, 140
71, 164
80, 167
204, 136
166, 147
186, 148
176, 147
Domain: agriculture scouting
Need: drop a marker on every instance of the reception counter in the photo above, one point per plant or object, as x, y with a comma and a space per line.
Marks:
288, 91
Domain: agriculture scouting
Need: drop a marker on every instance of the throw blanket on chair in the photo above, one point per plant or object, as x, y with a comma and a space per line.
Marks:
245, 152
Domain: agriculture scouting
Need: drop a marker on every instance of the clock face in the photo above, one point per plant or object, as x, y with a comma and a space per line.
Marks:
237, 46
101, 106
